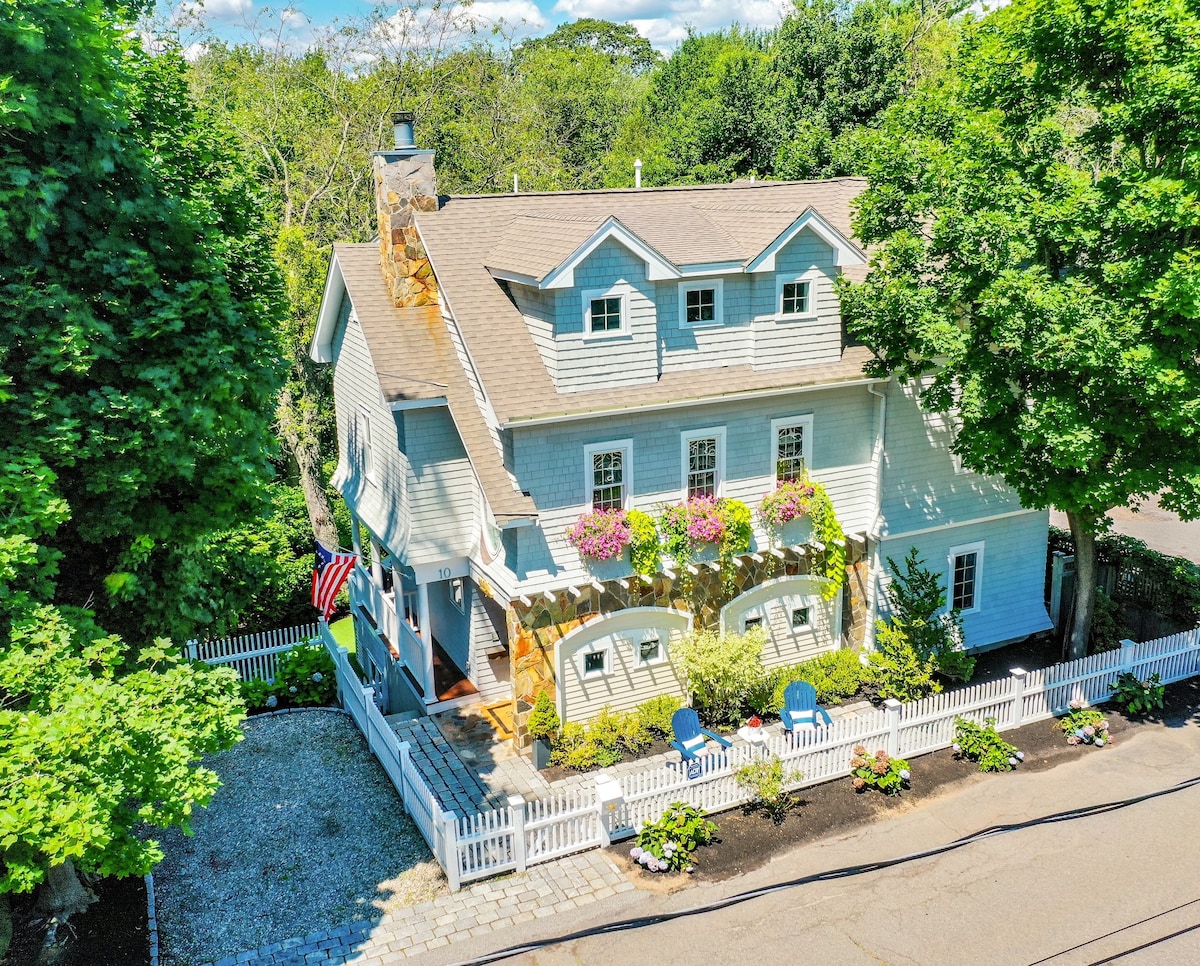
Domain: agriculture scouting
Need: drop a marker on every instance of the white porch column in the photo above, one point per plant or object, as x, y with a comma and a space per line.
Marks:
376, 563
427, 640
356, 536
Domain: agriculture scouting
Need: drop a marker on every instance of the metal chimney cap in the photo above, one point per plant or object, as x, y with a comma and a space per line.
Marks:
402, 129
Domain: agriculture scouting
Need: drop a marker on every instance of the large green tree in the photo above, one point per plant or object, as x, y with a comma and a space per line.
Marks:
139, 306
1035, 257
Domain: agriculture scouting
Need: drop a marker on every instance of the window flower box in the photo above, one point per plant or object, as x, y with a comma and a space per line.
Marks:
600, 536
800, 511
705, 528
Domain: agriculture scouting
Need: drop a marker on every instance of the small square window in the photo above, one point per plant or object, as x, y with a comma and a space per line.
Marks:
799, 617
606, 314
701, 305
750, 622
795, 298
649, 651
594, 662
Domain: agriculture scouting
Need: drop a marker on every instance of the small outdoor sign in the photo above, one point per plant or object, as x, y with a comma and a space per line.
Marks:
694, 769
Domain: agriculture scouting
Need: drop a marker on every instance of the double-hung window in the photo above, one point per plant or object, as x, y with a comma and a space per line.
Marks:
700, 303
966, 575
703, 462
791, 440
606, 466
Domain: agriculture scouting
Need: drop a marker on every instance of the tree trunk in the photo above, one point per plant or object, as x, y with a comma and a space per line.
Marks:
301, 442
62, 894
1084, 536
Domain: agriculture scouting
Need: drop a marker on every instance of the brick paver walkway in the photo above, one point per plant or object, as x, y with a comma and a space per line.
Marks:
480, 907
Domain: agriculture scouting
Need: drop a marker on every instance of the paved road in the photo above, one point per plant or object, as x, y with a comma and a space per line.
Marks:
1118, 887
1160, 529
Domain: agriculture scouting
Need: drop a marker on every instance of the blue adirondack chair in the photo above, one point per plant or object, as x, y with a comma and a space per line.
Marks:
690, 738
800, 708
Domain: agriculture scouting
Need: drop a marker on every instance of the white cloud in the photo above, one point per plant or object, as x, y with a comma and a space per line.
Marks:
666, 22
489, 13
226, 10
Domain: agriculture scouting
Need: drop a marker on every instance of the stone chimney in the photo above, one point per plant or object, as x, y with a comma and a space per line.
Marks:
405, 183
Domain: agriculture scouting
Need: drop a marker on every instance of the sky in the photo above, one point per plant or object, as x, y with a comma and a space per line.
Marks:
663, 22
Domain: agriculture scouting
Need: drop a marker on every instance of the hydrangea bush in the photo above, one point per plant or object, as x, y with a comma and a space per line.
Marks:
601, 534
670, 844
983, 744
880, 770
1085, 726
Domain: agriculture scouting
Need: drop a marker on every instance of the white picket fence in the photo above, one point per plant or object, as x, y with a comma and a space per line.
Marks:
527, 832
254, 656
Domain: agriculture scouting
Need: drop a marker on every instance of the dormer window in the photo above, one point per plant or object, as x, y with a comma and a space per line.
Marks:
796, 298
700, 303
606, 312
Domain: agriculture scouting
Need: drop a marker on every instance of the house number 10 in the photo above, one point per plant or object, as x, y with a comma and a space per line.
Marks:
443, 573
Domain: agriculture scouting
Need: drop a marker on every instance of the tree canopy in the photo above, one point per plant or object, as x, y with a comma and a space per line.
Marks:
1034, 222
139, 359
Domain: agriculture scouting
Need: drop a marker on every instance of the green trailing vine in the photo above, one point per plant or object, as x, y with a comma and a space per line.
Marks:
725, 522
645, 550
797, 499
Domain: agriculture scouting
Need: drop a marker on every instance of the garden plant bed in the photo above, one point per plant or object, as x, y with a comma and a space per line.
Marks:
748, 840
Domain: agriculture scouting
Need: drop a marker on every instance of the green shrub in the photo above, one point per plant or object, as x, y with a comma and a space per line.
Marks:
543, 719
670, 844
305, 676
576, 748
982, 744
656, 713
879, 770
767, 780
1137, 697
896, 670
721, 670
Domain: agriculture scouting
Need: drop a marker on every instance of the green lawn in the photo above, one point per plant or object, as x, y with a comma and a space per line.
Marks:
343, 632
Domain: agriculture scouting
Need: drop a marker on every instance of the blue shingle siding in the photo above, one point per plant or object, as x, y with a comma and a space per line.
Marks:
921, 486
608, 361
443, 493
1012, 579
380, 502
549, 462
540, 311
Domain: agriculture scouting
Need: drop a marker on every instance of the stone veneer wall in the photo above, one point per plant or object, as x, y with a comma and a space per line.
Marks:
405, 183
535, 630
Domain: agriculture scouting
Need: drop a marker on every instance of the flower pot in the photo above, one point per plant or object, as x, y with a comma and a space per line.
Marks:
705, 552
618, 566
541, 753
793, 533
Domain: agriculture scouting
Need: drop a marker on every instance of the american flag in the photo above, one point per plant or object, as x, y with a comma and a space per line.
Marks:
329, 573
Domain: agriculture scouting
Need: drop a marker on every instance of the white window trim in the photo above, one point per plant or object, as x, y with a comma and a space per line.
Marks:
684, 438
637, 640
596, 647
718, 287
626, 448
368, 445
622, 290
776, 426
811, 277
955, 552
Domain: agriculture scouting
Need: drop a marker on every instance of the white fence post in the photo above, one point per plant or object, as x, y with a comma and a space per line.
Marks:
405, 764
516, 808
893, 708
446, 832
1128, 655
1019, 674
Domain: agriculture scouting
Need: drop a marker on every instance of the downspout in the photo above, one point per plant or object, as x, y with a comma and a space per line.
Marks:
876, 559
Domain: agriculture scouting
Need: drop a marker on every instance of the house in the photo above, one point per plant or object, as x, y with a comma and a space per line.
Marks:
503, 364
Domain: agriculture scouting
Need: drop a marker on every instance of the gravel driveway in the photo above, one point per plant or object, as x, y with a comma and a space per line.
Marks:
306, 833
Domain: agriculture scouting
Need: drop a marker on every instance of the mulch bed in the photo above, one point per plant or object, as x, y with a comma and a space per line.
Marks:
112, 931
748, 840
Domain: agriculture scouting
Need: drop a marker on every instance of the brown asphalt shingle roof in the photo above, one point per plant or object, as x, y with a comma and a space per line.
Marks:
532, 233
415, 359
